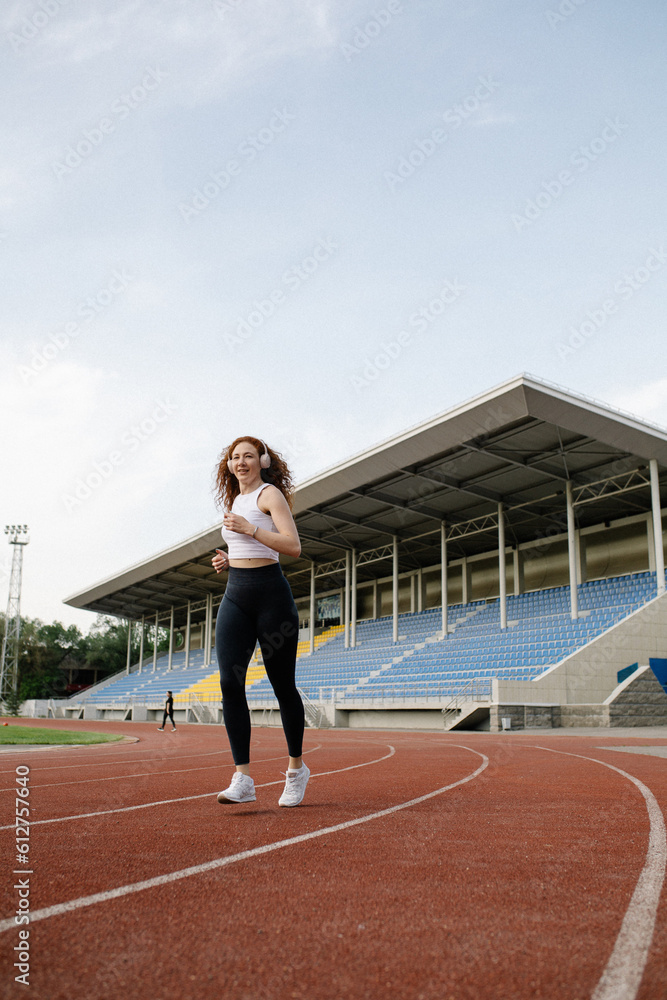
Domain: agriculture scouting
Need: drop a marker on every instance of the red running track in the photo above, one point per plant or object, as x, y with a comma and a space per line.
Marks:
425, 866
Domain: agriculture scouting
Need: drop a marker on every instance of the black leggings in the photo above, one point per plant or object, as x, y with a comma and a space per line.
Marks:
258, 606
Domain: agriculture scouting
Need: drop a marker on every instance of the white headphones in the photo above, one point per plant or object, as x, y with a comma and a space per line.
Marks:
265, 459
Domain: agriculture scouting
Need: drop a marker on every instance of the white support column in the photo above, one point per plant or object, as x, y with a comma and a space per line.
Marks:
394, 591
187, 636
650, 541
128, 662
171, 637
657, 526
465, 581
502, 568
157, 618
375, 599
347, 600
353, 634
572, 552
312, 607
420, 590
444, 588
141, 644
413, 596
579, 556
517, 559
207, 630
211, 629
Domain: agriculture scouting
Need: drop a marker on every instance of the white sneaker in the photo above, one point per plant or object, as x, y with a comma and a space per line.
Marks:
295, 787
241, 789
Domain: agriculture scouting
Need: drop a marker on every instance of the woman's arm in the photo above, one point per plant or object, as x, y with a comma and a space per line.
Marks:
220, 561
285, 538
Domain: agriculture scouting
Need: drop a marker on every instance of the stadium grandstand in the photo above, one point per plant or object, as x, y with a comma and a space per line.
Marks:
498, 566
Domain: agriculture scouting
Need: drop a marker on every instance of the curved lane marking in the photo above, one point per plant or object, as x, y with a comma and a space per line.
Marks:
203, 795
147, 774
257, 745
123, 763
159, 880
623, 973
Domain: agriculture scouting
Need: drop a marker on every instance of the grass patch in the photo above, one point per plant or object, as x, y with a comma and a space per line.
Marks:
16, 735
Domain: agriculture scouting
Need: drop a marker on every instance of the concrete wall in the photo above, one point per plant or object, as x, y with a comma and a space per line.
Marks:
524, 717
639, 700
394, 719
35, 708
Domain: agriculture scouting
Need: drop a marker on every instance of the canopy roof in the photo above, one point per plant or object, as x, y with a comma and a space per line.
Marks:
517, 444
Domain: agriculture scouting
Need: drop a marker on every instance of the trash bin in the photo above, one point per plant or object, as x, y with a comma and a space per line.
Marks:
506, 722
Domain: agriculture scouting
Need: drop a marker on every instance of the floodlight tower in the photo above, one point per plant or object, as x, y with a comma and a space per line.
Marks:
9, 664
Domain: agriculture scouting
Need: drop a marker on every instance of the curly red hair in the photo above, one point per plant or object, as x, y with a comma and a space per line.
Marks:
227, 485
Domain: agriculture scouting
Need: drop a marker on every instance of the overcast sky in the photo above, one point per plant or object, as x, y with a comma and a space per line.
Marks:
315, 221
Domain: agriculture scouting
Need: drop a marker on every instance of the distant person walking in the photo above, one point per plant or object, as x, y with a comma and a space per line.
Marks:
254, 488
168, 711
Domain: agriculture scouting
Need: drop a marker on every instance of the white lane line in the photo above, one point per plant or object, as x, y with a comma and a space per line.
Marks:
622, 976
129, 745
127, 759
123, 763
156, 773
204, 795
177, 758
208, 866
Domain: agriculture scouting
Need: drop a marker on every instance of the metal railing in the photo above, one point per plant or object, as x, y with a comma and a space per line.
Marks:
475, 689
315, 714
202, 713
440, 694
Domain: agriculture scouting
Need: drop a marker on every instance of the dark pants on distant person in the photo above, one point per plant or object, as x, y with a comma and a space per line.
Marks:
169, 713
258, 607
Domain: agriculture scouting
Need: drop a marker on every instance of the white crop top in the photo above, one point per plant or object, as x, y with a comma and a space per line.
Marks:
243, 546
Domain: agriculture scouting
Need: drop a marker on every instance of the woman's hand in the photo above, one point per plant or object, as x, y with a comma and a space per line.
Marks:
234, 522
220, 561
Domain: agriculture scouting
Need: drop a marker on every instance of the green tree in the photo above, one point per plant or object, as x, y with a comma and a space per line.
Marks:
49, 653
12, 703
106, 648
43, 651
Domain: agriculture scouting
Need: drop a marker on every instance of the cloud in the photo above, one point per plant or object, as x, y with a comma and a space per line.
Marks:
217, 39
647, 401
494, 118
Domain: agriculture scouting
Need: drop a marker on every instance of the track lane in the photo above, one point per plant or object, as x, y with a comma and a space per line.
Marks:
133, 847
246, 855
624, 971
419, 905
201, 795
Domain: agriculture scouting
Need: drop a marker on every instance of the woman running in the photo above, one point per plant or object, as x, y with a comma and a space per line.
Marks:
254, 487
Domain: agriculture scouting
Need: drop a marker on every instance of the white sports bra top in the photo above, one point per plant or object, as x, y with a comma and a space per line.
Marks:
243, 546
